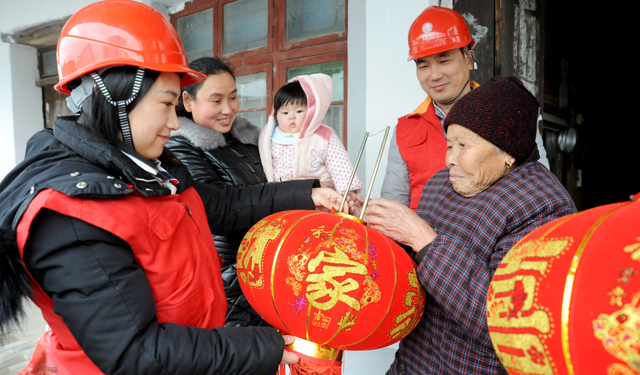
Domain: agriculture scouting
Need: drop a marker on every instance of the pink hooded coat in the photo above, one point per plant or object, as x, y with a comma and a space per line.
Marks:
312, 145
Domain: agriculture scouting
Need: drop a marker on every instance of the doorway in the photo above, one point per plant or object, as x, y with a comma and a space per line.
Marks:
566, 52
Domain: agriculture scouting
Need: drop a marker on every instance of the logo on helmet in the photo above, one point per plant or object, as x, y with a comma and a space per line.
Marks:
427, 27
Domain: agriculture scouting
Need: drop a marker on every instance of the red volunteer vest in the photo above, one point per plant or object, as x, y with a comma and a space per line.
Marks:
186, 285
422, 145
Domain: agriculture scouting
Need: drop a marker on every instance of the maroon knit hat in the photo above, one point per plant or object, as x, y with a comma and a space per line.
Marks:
503, 112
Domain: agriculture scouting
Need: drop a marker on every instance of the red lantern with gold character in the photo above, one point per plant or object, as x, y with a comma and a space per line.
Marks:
566, 298
330, 281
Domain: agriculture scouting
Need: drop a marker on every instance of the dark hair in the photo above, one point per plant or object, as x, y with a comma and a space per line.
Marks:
292, 92
208, 66
101, 116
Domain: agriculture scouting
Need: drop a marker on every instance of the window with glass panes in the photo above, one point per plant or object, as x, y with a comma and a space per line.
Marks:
269, 42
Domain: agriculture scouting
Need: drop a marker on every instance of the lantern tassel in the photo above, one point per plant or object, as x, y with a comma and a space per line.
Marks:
313, 366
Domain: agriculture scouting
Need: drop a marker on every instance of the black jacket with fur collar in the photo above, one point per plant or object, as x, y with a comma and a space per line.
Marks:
225, 161
135, 342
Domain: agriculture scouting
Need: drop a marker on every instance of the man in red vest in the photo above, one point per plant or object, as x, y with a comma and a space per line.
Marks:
441, 46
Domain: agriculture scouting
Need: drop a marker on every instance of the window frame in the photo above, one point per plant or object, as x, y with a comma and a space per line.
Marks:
257, 69
280, 78
281, 13
277, 55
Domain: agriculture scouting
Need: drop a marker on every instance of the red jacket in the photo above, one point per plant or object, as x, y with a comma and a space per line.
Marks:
186, 285
422, 145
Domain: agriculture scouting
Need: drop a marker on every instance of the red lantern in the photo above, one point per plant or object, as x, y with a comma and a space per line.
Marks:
565, 299
330, 281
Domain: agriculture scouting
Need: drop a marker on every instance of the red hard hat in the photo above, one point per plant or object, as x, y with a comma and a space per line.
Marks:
436, 30
120, 32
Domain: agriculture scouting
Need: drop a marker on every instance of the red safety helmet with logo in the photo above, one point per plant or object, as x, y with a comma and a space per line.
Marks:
120, 32
436, 30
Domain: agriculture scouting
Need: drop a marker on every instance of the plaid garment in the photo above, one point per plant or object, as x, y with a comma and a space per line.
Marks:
474, 234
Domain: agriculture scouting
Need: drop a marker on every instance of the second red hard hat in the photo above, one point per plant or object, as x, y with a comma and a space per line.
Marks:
437, 29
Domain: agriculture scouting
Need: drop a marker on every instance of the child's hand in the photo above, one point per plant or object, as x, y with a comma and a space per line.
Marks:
326, 199
355, 203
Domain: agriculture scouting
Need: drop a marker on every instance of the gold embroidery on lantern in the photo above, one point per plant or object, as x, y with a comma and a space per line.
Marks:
619, 369
568, 289
251, 250
522, 351
515, 259
295, 286
371, 292
347, 243
414, 299
318, 288
320, 320
634, 250
626, 274
616, 296
297, 263
511, 305
619, 333
319, 231
347, 321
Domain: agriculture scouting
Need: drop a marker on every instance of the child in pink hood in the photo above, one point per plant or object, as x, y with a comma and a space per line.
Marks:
296, 145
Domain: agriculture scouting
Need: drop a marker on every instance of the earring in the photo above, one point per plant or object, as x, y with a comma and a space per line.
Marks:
509, 165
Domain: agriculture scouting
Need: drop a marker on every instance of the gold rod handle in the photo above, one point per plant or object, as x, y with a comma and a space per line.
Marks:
353, 172
375, 171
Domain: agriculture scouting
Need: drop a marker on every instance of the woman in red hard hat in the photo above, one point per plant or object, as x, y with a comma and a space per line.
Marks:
107, 232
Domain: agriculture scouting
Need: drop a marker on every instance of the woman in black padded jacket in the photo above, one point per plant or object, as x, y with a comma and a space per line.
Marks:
220, 149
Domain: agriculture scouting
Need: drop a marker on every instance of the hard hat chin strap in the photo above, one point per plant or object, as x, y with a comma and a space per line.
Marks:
475, 66
459, 95
122, 104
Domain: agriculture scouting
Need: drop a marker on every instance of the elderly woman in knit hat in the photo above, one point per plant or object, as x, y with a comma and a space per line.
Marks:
492, 193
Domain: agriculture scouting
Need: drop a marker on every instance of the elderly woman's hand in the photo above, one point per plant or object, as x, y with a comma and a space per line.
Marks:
399, 223
327, 199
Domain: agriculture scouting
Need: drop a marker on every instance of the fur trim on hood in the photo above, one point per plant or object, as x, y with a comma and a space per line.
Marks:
209, 139
14, 282
319, 90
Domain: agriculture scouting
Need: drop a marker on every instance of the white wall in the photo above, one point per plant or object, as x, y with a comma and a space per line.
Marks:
20, 98
14, 17
382, 86
20, 102
17, 15
27, 97
7, 142
392, 89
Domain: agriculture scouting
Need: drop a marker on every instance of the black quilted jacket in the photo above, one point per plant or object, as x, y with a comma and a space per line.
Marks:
226, 161
92, 276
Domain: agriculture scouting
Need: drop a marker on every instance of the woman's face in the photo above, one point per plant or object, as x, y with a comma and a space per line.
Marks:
154, 117
216, 103
474, 163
